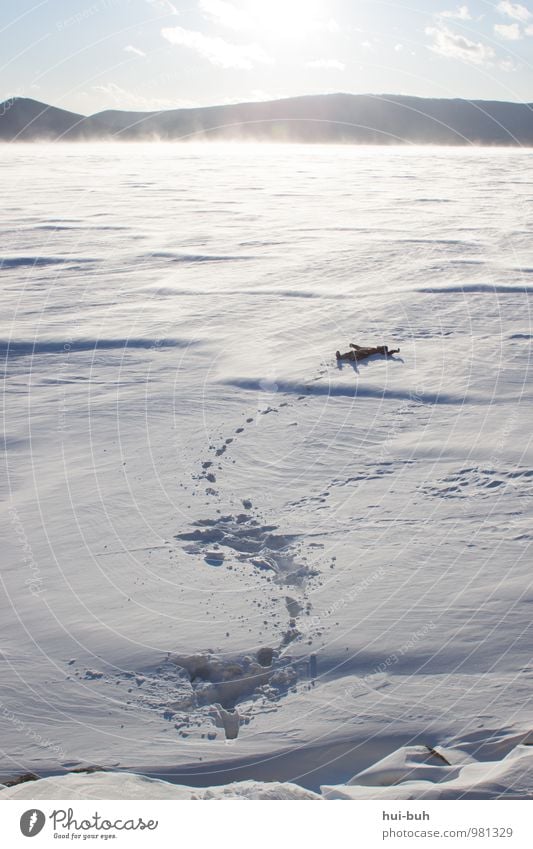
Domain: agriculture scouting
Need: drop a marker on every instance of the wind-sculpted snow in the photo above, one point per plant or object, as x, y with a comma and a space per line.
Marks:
249, 293
38, 261
67, 345
411, 772
334, 389
479, 288
190, 258
231, 565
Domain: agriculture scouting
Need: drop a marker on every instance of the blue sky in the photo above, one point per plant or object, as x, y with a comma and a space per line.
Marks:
88, 55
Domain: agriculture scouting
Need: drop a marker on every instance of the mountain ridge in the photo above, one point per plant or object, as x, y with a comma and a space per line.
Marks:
324, 118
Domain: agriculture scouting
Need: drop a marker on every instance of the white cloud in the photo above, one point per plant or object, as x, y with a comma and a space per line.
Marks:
288, 17
529, 30
165, 5
327, 64
216, 50
398, 48
131, 49
462, 13
225, 13
514, 10
507, 65
510, 32
447, 43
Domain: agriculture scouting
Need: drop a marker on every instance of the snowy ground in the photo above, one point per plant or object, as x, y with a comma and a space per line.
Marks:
227, 559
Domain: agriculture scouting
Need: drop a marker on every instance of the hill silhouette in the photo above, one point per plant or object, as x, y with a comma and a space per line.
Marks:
328, 118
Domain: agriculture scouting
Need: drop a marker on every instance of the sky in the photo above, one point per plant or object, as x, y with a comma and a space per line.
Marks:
90, 55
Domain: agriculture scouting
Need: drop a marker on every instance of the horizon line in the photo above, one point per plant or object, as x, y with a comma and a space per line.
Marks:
16, 97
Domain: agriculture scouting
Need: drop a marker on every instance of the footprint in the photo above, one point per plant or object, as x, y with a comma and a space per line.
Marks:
214, 558
253, 543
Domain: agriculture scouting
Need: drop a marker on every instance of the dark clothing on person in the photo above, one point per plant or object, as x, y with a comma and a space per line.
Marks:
359, 352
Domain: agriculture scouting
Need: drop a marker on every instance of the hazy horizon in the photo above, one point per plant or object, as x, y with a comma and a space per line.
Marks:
378, 95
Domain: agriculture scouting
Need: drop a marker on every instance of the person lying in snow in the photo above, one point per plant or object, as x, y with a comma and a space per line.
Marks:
361, 353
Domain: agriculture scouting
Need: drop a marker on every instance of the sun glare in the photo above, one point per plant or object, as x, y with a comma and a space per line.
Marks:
292, 18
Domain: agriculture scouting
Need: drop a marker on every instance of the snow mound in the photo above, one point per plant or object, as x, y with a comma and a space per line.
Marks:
96, 785
416, 772
411, 772
269, 790
124, 785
